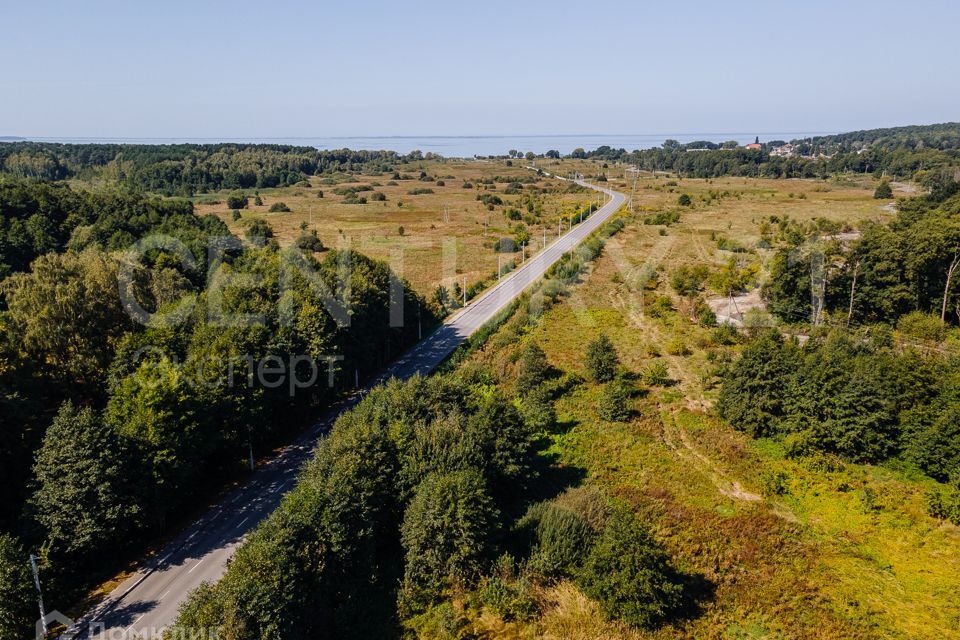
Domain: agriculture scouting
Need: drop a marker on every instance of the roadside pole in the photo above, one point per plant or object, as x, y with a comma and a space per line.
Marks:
36, 582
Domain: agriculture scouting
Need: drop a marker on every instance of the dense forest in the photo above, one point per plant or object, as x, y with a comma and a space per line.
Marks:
126, 383
186, 169
855, 395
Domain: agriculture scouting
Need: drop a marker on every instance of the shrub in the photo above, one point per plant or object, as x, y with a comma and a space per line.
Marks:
259, 229
378, 196
656, 375
560, 539
602, 360
684, 200
629, 574
537, 409
310, 242
235, 215
237, 202
510, 599
614, 404
400, 230
279, 207
420, 191
922, 326
883, 191
677, 347
534, 368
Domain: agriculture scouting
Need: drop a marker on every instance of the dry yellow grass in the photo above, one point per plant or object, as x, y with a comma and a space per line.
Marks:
447, 235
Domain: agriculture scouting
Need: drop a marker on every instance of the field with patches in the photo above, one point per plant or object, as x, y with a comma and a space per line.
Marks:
776, 548
447, 233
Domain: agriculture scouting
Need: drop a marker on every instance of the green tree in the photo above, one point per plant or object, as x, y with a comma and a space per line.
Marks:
755, 388
446, 534
684, 200
534, 368
614, 402
67, 314
629, 574
16, 591
883, 191
237, 202
85, 493
602, 360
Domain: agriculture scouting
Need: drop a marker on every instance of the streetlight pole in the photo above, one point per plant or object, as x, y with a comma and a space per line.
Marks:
36, 582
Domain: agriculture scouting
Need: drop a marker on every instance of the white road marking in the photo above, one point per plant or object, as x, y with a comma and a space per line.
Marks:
242, 521
196, 565
135, 622
163, 595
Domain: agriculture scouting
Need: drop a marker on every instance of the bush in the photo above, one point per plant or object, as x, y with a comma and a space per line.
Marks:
677, 347
511, 600
629, 574
378, 196
310, 242
258, 201
684, 200
883, 191
534, 368
656, 375
235, 215
602, 360
943, 503
560, 539
420, 191
237, 202
259, 229
537, 409
614, 404
279, 207
922, 326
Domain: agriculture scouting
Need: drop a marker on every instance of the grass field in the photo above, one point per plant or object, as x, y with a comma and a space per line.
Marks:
809, 548
447, 234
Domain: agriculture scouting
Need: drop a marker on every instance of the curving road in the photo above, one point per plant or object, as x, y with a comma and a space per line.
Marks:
148, 601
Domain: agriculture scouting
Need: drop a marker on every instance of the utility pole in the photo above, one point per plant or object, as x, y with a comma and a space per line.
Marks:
523, 252
36, 582
498, 268
356, 378
464, 290
544, 236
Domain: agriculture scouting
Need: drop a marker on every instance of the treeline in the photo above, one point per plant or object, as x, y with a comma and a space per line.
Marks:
888, 272
853, 395
932, 136
899, 152
41, 217
126, 384
758, 163
186, 169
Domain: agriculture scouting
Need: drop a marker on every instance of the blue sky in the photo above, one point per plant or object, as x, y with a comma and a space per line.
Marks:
281, 68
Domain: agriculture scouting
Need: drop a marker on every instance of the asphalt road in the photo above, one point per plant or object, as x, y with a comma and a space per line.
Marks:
147, 602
